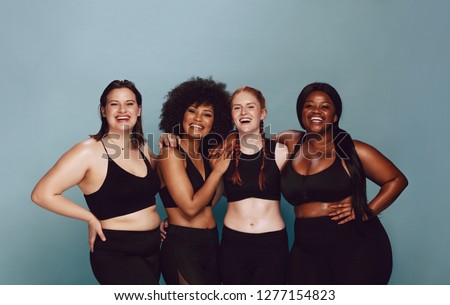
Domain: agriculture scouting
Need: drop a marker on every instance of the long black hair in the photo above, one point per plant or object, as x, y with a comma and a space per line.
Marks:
344, 146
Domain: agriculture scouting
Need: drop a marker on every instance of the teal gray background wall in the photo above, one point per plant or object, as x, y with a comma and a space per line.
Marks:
389, 60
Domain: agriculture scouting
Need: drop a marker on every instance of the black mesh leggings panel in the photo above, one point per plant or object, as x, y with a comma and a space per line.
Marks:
192, 254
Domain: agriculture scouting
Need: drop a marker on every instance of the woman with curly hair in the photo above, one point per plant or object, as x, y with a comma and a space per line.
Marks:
254, 245
195, 111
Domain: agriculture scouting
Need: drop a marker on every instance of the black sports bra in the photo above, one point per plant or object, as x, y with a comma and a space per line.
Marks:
329, 185
122, 192
249, 167
194, 176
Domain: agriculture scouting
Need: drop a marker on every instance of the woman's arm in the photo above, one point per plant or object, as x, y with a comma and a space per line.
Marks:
289, 138
384, 173
173, 171
219, 192
150, 155
281, 155
68, 171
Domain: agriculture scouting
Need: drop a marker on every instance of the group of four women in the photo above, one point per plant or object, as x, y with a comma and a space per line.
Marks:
321, 171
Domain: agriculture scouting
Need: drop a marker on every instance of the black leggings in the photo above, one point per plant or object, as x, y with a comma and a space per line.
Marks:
325, 253
190, 254
127, 258
251, 259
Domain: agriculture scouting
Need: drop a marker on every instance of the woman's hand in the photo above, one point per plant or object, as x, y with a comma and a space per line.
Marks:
162, 228
221, 164
95, 228
168, 140
342, 211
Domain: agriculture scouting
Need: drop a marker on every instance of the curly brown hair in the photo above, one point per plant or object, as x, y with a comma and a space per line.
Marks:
197, 91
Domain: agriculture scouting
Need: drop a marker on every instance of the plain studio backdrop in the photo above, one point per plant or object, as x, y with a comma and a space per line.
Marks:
389, 60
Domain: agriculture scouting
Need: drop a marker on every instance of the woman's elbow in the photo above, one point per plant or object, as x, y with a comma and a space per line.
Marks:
405, 181
190, 214
36, 197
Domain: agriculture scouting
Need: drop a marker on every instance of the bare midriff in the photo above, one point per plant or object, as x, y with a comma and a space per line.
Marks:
254, 215
316, 209
143, 220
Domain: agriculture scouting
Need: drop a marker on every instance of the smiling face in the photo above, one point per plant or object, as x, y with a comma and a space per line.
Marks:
198, 120
318, 112
247, 112
121, 110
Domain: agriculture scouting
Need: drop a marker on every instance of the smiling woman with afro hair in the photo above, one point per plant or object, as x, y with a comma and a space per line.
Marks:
196, 111
197, 91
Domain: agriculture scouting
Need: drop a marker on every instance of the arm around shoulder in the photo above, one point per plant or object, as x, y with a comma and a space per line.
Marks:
281, 154
289, 138
150, 155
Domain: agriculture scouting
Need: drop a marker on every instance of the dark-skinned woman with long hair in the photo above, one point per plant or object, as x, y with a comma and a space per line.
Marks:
338, 237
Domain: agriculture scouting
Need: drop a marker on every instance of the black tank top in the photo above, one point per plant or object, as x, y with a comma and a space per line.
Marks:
194, 176
122, 192
329, 185
249, 167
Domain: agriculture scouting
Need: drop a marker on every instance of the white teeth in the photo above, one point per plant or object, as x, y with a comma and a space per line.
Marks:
245, 120
196, 127
316, 119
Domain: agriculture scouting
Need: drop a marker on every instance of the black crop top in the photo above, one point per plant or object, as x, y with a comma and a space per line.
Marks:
249, 167
329, 185
194, 176
122, 192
